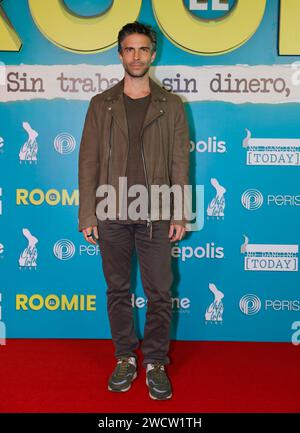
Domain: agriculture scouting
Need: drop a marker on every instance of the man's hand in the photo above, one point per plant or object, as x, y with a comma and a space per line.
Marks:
180, 232
88, 231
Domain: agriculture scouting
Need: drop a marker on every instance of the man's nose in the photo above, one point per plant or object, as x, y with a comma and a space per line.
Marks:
137, 54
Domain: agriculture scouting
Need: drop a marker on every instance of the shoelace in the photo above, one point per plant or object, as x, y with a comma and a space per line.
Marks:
122, 366
159, 372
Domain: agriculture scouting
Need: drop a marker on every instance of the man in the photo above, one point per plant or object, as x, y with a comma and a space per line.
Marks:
138, 131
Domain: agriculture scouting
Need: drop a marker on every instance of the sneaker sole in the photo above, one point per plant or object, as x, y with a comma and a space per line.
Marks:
124, 389
156, 398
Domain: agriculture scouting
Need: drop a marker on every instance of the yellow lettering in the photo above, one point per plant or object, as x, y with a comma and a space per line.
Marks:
289, 29
52, 197
79, 34
208, 36
73, 200
38, 192
69, 305
21, 301
91, 303
55, 302
40, 300
9, 39
22, 195
52, 302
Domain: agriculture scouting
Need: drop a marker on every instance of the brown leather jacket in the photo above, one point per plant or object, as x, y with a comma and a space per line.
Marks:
165, 147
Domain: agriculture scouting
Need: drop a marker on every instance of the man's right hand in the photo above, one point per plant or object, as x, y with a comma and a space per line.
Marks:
88, 231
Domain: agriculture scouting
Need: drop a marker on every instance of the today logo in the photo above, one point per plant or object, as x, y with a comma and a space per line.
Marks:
272, 151
270, 257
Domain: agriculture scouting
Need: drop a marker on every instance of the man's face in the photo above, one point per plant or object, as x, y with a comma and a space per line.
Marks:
136, 55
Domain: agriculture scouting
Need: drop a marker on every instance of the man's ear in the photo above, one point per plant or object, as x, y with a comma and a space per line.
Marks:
153, 56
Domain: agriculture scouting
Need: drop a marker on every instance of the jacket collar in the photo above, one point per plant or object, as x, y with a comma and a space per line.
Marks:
115, 92
117, 107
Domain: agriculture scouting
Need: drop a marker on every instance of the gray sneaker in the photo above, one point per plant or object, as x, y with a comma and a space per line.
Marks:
157, 381
123, 375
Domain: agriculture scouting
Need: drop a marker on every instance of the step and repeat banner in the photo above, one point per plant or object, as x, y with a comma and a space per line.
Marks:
236, 66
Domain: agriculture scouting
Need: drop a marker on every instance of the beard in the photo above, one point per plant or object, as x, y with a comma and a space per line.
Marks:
136, 74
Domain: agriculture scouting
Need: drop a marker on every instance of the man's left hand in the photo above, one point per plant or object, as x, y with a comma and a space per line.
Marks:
176, 232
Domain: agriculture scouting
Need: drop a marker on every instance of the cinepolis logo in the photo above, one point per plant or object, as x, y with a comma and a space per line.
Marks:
209, 251
252, 199
1, 144
64, 143
269, 257
250, 304
1, 251
212, 145
64, 249
272, 151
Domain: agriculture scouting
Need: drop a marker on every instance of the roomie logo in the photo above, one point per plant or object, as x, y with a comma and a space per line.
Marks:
239, 21
64, 249
215, 7
52, 302
250, 304
252, 199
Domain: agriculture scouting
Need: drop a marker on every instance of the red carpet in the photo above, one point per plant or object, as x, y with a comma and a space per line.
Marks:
39, 375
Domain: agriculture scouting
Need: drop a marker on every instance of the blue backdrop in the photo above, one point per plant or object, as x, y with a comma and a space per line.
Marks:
236, 278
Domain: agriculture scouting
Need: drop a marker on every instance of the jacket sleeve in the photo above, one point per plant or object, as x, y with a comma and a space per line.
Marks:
180, 162
88, 170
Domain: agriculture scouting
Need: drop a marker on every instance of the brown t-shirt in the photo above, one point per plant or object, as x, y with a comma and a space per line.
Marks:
135, 111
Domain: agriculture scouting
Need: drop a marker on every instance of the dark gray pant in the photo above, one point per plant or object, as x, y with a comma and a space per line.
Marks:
116, 242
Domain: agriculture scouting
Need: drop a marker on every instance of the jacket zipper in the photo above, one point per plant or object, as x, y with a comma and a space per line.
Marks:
149, 221
109, 144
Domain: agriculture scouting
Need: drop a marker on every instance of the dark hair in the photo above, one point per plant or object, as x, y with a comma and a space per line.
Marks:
137, 27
